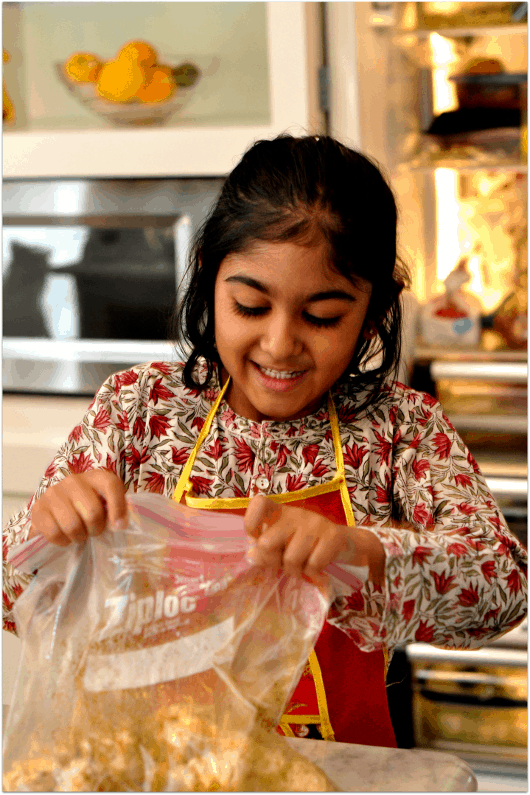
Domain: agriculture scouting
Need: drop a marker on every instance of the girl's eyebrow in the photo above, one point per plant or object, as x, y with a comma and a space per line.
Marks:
322, 296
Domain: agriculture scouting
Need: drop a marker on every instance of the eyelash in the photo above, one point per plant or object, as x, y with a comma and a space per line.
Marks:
257, 311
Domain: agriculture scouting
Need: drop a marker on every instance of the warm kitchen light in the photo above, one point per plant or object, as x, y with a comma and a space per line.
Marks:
444, 92
444, 7
448, 248
475, 285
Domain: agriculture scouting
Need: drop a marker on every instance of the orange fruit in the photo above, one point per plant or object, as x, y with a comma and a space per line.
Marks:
8, 109
83, 67
119, 80
166, 69
140, 52
158, 86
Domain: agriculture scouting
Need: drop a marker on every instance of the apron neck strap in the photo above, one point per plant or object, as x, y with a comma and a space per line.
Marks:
185, 486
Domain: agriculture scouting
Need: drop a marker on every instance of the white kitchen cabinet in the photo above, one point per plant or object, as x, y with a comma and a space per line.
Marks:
34, 427
263, 87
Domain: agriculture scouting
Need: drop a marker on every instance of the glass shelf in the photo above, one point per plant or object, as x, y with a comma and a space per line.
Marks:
427, 353
510, 166
453, 48
475, 32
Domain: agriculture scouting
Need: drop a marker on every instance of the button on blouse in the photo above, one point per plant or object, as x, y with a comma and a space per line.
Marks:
262, 483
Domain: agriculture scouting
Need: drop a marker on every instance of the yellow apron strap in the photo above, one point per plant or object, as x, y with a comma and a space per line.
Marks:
325, 723
184, 483
386, 658
233, 503
286, 729
339, 459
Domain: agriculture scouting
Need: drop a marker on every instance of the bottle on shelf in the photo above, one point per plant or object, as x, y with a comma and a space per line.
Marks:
453, 318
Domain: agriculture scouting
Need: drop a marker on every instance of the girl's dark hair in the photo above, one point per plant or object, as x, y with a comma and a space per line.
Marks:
303, 190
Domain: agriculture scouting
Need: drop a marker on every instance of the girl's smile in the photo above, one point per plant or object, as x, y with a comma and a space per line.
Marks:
286, 327
279, 380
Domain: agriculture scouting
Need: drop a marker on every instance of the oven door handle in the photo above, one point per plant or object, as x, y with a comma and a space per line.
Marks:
182, 238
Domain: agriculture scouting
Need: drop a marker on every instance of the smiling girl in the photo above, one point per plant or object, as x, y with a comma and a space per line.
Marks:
285, 411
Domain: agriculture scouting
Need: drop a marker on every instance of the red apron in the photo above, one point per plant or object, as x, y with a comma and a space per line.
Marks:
341, 694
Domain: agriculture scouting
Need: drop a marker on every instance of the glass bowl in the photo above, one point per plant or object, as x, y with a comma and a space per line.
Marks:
187, 74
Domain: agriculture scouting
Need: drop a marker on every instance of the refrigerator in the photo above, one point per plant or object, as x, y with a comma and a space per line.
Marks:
436, 94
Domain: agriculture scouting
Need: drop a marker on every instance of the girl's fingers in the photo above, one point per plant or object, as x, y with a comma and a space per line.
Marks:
266, 559
261, 510
275, 537
80, 505
87, 504
297, 541
326, 550
270, 546
67, 522
43, 523
297, 552
111, 489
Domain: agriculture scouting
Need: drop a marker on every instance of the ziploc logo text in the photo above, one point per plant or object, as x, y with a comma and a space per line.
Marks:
130, 614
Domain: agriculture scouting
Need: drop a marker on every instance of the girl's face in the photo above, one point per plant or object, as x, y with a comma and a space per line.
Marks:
286, 327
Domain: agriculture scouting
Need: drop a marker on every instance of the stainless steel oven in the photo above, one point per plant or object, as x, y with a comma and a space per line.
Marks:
91, 273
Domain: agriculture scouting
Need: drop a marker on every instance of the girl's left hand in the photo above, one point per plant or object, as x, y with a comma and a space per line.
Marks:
299, 541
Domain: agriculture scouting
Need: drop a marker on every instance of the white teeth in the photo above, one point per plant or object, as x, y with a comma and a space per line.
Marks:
279, 373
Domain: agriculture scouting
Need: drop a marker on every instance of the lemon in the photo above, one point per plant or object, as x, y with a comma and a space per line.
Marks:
159, 84
120, 80
139, 52
83, 67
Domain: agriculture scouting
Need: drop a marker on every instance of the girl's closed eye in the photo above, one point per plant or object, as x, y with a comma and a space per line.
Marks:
257, 311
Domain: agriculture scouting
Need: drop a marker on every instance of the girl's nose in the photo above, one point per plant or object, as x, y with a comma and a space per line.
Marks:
280, 339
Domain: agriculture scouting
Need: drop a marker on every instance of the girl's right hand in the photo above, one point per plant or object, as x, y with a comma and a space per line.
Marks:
80, 506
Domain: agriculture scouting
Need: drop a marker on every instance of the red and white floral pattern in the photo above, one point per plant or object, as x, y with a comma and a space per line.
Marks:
454, 575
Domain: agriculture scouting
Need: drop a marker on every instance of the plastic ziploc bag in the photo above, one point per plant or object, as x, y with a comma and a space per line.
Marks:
158, 658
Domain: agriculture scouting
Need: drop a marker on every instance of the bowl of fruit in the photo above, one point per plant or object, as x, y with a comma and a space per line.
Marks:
137, 87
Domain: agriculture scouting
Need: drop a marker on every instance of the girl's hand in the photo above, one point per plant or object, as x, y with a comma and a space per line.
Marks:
79, 506
299, 541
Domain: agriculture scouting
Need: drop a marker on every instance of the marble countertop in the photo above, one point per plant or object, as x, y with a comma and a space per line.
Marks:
364, 768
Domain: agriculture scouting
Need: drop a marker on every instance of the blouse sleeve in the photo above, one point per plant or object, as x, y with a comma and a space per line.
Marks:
454, 574
108, 437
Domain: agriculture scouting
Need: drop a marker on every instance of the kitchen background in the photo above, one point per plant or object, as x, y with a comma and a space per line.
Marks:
101, 197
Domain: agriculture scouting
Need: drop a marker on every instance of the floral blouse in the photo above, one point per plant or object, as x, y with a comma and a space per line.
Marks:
454, 574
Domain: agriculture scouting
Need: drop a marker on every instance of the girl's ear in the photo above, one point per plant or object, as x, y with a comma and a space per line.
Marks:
370, 331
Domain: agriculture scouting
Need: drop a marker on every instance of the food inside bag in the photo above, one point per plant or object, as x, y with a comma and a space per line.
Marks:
158, 658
